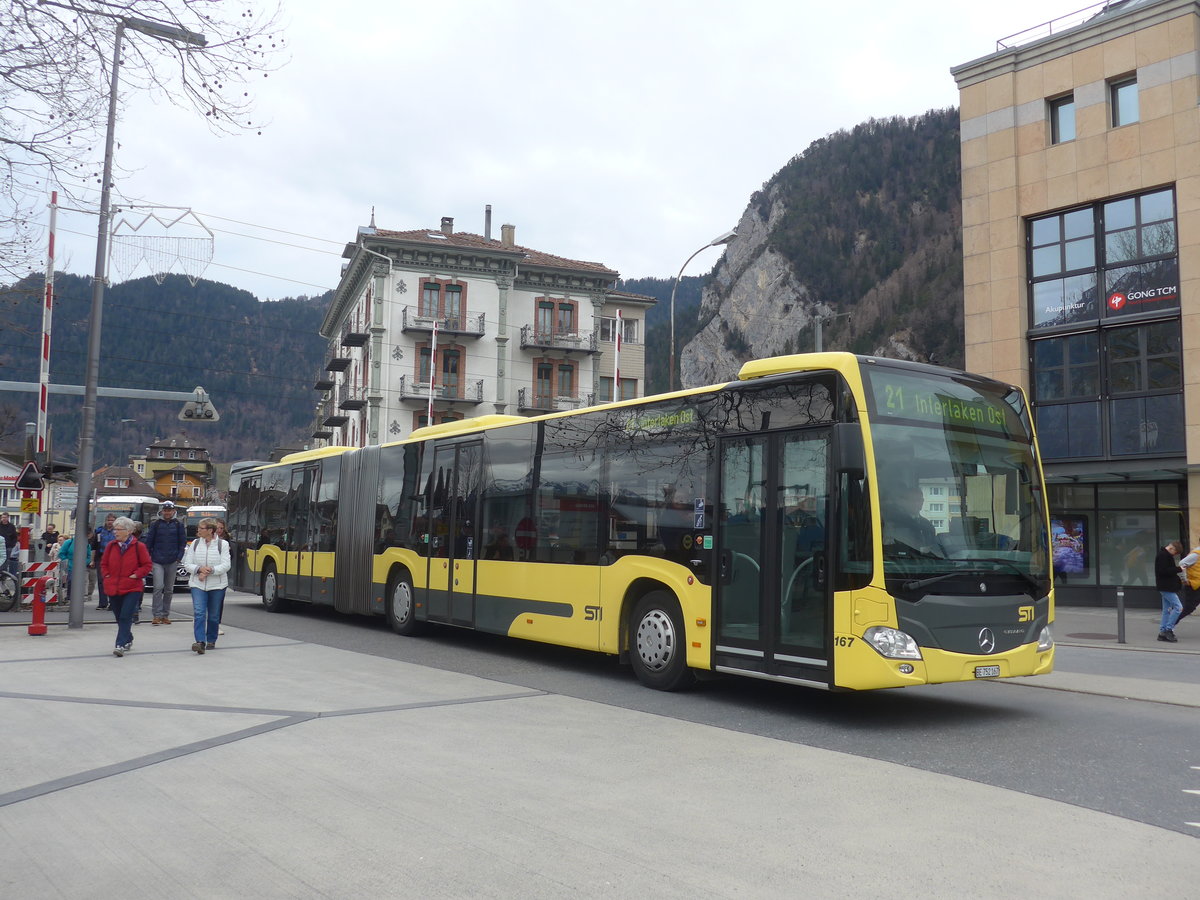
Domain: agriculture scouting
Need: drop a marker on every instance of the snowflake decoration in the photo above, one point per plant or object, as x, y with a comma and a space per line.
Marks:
397, 353
394, 428
401, 287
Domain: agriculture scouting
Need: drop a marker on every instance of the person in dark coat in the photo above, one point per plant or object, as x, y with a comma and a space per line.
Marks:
12, 544
166, 540
1166, 579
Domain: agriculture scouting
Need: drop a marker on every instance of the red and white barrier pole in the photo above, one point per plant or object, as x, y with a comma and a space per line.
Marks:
38, 625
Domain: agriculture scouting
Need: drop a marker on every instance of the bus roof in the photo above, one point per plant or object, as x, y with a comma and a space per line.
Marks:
315, 453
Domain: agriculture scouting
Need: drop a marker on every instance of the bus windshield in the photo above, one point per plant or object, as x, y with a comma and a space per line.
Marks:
957, 485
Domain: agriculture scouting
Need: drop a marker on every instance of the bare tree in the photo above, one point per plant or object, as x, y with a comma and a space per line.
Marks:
55, 67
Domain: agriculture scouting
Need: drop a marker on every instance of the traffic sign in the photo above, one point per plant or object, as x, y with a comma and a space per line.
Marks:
30, 479
31, 504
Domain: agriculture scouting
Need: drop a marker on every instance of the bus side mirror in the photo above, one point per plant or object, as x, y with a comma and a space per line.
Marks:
848, 445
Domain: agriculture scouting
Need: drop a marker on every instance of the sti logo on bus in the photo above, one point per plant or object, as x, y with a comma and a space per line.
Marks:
1025, 613
593, 613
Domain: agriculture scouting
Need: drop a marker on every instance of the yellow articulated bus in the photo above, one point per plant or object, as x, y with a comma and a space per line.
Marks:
829, 520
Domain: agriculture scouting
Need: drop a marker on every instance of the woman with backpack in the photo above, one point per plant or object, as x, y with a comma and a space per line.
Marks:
207, 561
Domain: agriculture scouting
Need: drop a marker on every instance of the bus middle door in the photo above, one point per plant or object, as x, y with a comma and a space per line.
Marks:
454, 533
297, 576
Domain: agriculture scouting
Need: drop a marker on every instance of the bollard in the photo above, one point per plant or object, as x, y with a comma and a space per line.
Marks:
1120, 615
38, 625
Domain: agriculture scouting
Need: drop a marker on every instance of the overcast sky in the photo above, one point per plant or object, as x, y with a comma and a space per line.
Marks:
628, 132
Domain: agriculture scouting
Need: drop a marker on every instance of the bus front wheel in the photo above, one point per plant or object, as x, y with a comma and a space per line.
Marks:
271, 600
656, 643
401, 606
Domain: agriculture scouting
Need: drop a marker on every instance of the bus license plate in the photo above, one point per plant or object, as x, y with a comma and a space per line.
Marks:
987, 671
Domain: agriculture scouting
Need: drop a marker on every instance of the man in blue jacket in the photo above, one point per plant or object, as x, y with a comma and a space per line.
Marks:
166, 540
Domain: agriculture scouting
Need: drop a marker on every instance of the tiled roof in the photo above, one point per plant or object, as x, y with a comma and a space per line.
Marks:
468, 241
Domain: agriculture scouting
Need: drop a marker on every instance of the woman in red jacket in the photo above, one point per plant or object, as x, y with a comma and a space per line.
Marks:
124, 568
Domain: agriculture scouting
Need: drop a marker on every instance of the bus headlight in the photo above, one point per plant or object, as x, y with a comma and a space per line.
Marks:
1045, 639
891, 643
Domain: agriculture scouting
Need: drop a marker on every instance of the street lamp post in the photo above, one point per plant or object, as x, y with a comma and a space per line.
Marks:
87, 427
715, 242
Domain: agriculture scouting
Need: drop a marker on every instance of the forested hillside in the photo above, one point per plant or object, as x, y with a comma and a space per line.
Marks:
256, 360
658, 322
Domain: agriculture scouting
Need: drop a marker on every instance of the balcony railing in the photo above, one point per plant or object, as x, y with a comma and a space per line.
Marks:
351, 396
464, 392
534, 339
529, 399
336, 360
353, 336
469, 323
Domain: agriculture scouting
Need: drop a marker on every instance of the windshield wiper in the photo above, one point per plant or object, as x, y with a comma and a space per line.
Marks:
972, 570
1028, 579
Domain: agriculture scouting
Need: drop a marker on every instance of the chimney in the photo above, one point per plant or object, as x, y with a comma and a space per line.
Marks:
447, 225
508, 236
487, 221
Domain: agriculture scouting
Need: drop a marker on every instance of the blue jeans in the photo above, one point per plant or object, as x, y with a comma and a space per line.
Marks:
206, 613
1171, 610
123, 607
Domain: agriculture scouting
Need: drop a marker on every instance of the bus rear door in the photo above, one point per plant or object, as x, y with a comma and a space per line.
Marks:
774, 590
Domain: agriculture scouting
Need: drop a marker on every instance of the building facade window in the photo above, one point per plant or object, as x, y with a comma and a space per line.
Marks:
544, 324
431, 298
566, 381
454, 304
1062, 119
451, 361
1105, 343
628, 389
1123, 101
630, 332
544, 381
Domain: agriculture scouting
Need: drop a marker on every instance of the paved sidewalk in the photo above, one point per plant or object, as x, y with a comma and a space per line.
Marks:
274, 768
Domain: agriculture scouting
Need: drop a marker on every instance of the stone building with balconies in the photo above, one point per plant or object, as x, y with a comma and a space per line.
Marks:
432, 326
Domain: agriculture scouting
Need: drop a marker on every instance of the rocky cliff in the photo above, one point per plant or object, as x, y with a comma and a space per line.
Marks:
863, 229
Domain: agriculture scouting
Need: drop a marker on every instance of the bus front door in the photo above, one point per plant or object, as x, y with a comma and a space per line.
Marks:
774, 590
454, 533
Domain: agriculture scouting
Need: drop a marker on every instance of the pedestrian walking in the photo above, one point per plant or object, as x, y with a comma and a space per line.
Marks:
165, 542
221, 533
1191, 583
12, 543
207, 562
63, 553
101, 538
1166, 579
124, 568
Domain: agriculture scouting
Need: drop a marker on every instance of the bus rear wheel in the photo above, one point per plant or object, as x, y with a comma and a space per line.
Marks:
656, 645
401, 605
271, 600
